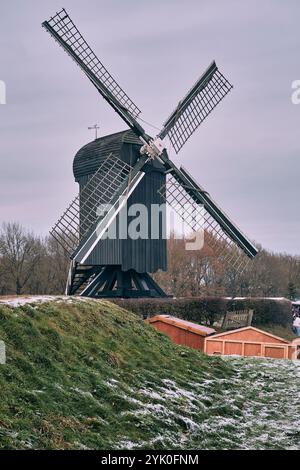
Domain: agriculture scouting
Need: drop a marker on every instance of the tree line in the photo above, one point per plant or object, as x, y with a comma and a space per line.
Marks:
202, 273
30, 264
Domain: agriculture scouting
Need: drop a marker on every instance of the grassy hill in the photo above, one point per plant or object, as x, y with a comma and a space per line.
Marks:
87, 374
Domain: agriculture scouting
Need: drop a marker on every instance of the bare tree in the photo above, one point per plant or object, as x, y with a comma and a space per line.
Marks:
57, 266
20, 253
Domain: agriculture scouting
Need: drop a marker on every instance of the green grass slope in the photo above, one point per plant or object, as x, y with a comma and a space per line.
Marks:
89, 375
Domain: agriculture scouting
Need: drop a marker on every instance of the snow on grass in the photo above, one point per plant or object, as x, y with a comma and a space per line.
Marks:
184, 402
259, 408
297, 365
18, 301
112, 383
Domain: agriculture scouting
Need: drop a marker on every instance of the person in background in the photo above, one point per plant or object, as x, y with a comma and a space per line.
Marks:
296, 325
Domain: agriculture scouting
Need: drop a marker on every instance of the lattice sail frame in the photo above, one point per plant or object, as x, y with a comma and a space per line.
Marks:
199, 102
83, 211
69, 33
197, 218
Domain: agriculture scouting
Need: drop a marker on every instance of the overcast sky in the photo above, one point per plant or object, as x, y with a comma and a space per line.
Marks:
246, 154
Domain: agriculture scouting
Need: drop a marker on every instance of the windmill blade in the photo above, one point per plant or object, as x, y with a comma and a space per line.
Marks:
200, 212
81, 226
64, 31
203, 97
81, 215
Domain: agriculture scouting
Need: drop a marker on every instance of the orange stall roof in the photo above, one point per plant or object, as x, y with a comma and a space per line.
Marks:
251, 328
183, 324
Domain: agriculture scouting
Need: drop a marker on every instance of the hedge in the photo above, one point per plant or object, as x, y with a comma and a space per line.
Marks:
210, 309
266, 311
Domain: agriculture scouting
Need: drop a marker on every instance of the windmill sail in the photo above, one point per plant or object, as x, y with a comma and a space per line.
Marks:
186, 197
81, 226
64, 31
81, 214
203, 97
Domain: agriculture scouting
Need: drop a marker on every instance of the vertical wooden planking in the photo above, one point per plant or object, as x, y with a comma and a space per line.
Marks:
142, 255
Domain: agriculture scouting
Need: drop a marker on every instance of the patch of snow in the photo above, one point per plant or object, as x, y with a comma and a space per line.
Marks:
18, 301
83, 393
127, 445
297, 366
81, 446
112, 383
256, 408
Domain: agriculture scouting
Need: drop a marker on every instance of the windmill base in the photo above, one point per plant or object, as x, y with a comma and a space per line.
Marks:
112, 282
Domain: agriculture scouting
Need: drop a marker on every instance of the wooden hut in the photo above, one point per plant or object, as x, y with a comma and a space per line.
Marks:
249, 341
181, 331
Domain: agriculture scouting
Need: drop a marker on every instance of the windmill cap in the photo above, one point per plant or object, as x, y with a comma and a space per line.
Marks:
90, 156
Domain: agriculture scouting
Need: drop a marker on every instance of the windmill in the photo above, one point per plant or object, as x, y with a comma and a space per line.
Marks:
129, 167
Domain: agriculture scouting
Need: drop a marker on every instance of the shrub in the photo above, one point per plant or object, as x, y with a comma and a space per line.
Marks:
210, 309
266, 311
200, 310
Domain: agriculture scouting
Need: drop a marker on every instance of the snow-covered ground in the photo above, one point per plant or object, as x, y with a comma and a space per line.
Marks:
258, 409
17, 301
255, 407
